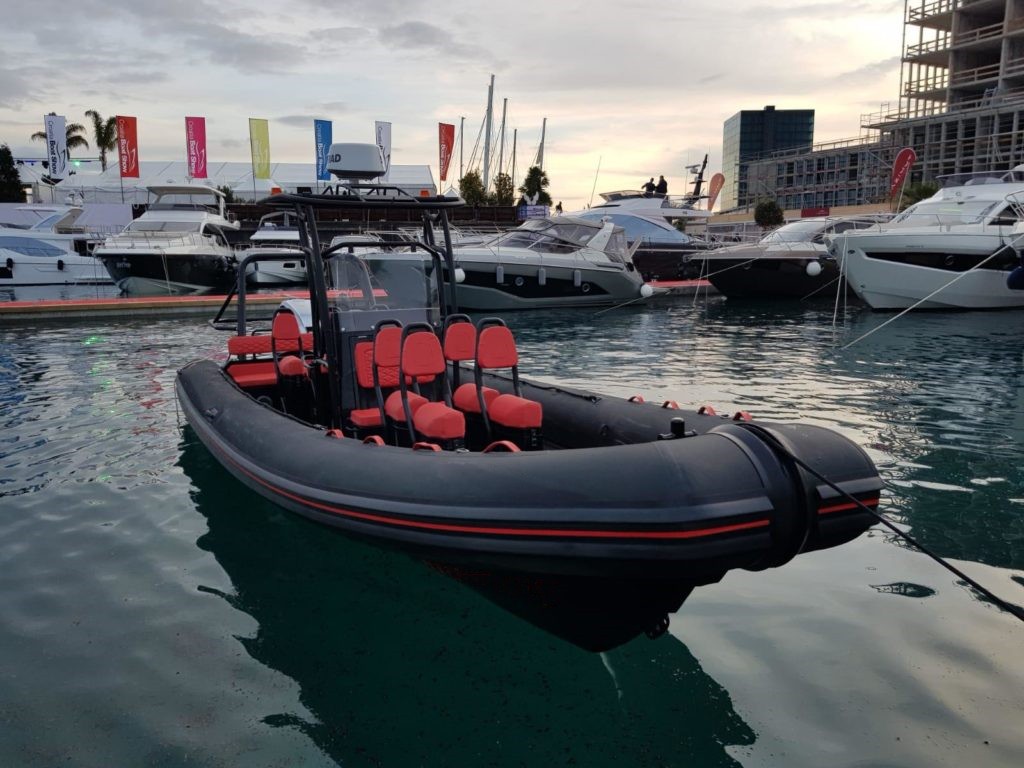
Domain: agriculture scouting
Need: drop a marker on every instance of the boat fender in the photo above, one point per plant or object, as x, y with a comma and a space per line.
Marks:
10, 263
813, 268
426, 447
542, 276
335, 433
502, 446
742, 416
373, 440
60, 265
671, 405
499, 274
1014, 280
577, 278
637, 399
706, 410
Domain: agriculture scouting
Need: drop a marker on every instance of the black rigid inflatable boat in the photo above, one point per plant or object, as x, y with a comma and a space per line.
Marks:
591, 516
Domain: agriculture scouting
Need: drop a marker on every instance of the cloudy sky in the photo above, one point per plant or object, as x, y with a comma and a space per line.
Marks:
641, 88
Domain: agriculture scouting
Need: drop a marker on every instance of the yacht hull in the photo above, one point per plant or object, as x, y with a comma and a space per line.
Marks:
520, 286
162, 273
765, 277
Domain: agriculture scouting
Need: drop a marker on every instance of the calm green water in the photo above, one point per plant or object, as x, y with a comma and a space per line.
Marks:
153, 612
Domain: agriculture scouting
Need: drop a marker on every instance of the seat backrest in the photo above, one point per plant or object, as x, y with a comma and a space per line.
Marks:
387, 353
496, 348
460, 342
285, 327
422, 355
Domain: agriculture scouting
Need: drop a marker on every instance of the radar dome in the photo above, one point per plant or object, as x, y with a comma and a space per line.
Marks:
355, 161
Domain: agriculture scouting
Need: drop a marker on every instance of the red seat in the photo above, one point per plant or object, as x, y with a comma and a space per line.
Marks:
422, 361
460, 346
496, 349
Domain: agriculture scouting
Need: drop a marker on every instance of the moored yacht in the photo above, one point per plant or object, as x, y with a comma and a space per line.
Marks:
564, 261
276, 234
954, 250
52, 250
789, 262
177, 246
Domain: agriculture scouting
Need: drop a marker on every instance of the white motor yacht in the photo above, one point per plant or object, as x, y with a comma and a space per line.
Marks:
52, 250
276, 235
789, 262
954, 250
177, 246
564, 261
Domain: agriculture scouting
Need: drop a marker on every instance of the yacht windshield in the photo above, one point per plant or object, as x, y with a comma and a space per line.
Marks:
944, 212
383, 280
797, 232
548, 236
142, 225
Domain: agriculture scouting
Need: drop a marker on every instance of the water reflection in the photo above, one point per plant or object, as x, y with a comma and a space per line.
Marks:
401, 666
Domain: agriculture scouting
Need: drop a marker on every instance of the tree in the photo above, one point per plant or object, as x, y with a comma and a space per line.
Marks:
917, 192
536, 183
104, 133
10, 182
72, 132
471, 187
504, 192
229, 193
768, 214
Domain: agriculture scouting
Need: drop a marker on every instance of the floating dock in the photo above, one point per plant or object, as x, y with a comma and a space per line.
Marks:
205, 304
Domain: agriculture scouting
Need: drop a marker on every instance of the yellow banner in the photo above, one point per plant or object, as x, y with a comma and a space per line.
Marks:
259, 141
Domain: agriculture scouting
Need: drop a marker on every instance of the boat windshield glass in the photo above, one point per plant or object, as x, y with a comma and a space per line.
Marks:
797, 232
383, 280
933, 212
142, 225
48, 222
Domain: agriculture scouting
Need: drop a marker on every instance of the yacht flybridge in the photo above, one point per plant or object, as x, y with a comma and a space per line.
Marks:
955, 250
377, 408
177, 246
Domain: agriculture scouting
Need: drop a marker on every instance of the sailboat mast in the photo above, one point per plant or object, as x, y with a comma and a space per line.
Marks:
487, 135
501, 147
515, 135
462, 146
540, 152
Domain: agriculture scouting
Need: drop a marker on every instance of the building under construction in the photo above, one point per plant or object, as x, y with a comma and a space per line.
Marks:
961, 108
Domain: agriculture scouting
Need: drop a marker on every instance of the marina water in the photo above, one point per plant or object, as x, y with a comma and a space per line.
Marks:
153, 611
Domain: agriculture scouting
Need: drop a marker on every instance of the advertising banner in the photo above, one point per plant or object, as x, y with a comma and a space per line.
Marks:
259, 142
445, 143
128, 146
322, 130
714, 187
383, 131
195, 146
900, 168
56, 146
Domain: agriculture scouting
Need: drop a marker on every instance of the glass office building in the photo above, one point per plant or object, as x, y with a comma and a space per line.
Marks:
751, 134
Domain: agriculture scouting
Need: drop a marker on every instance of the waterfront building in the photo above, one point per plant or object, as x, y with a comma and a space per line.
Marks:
750, 134
960, 107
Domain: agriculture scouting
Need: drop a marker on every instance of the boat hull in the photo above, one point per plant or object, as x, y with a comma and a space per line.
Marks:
884, 284
520, 286
145, 273
684, 510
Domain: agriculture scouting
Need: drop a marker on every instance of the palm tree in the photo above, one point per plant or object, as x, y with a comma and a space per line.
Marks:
535, 184
104, 133
73, 133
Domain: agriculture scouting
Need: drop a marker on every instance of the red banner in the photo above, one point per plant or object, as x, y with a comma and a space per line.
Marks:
445, 142
195, 146
714, 187
900, 168
128, 146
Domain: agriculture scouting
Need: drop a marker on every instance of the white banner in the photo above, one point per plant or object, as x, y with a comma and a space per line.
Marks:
56, 146
384, 144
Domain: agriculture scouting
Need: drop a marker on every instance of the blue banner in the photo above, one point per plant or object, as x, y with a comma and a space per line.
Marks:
322, 137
